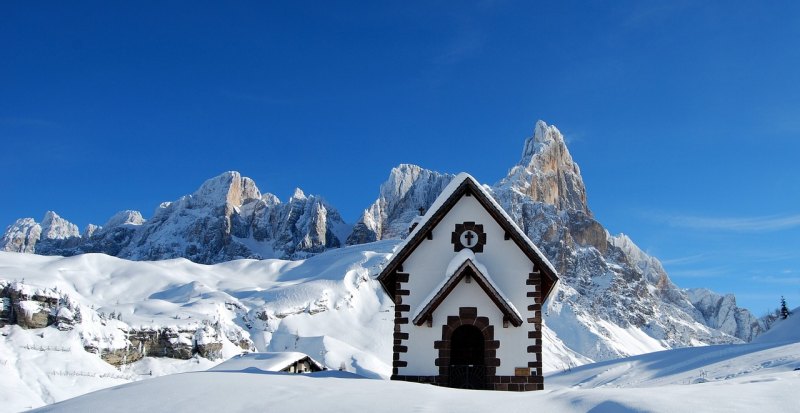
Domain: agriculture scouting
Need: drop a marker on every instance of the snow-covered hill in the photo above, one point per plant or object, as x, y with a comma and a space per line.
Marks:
132, 313
328, 306
760, 376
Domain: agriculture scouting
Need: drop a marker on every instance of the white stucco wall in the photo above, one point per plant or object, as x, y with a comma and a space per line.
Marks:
507, 265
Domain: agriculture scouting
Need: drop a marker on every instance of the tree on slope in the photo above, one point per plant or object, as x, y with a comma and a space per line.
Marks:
784, 310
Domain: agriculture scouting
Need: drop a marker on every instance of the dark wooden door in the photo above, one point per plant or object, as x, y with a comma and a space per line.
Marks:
467, 369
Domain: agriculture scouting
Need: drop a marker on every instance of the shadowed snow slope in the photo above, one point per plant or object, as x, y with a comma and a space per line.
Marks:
783, 330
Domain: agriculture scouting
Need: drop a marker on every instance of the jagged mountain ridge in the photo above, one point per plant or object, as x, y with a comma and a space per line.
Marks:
609, 286
226, 218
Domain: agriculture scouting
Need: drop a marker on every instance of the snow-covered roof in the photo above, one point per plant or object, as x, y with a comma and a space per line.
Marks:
462, 184
271, 361
462, 265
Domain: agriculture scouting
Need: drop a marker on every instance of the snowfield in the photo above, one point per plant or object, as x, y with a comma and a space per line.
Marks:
728, 378
330, 307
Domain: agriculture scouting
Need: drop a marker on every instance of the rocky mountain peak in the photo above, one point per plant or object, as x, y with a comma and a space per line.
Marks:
55, 227
547, 172
408, 188
401, 178
544, 136
298, 194
21, 236
229, 188
721, 312
90, 230
126, 217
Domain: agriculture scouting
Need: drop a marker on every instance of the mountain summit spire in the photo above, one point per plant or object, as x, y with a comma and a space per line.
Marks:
547, 172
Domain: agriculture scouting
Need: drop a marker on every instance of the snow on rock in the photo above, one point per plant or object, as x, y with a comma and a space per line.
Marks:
720, 312
55, 227
90, 230
408, 189
26, 235
226, 218
127, 217
21, 236
229, 188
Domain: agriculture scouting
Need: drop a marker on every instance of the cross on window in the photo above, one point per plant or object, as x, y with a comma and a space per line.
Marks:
468, 235
469, 238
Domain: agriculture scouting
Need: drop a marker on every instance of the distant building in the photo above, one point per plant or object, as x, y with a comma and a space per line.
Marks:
288, 362
468, 287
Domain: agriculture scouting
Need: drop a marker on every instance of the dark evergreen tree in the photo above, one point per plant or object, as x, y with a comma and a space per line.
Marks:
784, 310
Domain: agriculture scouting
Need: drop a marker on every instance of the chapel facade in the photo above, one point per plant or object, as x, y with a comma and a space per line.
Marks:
468, 287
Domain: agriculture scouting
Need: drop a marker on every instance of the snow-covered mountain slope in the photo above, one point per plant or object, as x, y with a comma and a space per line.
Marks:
226, 218
730, 378
134, 312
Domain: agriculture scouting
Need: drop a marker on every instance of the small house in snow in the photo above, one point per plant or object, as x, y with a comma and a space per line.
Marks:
287, 362
468, 287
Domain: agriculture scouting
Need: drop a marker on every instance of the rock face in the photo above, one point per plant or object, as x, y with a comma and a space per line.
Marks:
546, 173
36, 308
21, 236
55, 227
169, 342
26, 235
27, 307
226, 218
408, 189
720, 312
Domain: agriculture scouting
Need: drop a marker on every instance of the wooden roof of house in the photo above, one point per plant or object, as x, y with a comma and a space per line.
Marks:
267, 361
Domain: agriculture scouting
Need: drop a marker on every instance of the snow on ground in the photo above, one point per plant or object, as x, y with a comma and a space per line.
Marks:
44, 366
326, 306
783, 330
728, 378
330, 308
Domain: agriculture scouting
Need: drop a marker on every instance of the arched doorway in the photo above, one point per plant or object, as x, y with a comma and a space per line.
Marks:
467, 358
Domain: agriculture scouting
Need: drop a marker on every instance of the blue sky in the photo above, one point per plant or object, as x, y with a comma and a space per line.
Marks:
684, 116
